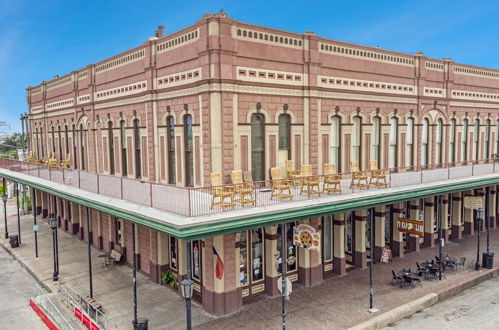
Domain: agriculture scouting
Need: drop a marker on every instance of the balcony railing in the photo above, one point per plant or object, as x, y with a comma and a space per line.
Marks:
193, 202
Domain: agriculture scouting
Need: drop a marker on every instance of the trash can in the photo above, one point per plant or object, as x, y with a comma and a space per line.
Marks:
488, 260
14, 241
141, 324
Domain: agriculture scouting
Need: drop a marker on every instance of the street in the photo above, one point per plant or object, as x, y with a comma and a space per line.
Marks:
476, 308
16, 287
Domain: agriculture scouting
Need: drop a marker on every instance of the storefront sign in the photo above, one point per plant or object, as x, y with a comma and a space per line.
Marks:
307, 237
473, 203
415, 227
386, 255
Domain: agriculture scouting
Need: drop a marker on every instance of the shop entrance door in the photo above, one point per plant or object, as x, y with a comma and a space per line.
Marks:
291, 253
327, 244
197, 273
251, 263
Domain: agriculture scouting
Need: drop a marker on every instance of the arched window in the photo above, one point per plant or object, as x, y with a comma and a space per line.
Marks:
393, 156
410, 142
53, 140
464, 141
284, 122
75, 143
82, 146
486, 144
476, 140
335, 145
170, 140
188, 151
452, 141
356, 139
66, 137
59, 142
375, 145
424, 142
439, 141
111, 146
257, 147
37, 143
497, 137
138, 159
124, 158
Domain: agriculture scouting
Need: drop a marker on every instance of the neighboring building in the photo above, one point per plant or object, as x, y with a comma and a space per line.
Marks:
223, 95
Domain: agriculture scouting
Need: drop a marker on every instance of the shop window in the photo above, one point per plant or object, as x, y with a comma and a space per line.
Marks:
290, 249
251, 257
196, 259
328, 238
173, 253
118, 231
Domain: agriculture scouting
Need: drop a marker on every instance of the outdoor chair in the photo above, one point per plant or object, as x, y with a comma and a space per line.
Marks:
293, 173
310, 183
66, 162
52, 161
396, 279
332, 180
377, 177
281, 187
30, 157
461, 262
222, 196
243, 192
359, 178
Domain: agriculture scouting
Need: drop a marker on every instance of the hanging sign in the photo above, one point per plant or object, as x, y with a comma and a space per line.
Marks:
415, 227
307, 237
289, 286
386, 255
473, 203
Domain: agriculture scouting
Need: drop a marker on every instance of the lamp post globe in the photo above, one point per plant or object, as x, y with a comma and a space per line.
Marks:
4, 198
186, 287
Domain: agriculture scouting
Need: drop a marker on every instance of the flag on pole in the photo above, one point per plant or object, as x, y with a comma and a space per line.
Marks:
220, 265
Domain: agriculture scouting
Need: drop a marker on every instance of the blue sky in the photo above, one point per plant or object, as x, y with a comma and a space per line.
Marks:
39, 39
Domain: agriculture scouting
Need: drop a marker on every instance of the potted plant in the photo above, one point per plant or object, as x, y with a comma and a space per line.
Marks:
169, 278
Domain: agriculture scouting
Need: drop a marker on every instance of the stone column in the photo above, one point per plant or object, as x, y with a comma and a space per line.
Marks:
39, 201
45, 206
398, 239
360, 257
456, 216
379, 232
161, 258
75, 218
221, 296
66, 215
413, 240
310, 262
339, 261
271, 274
445, 214
100, 239
429, 214
469, 228
492, 206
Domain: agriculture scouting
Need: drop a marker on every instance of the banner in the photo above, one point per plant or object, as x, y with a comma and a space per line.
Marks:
415, 227
307, 237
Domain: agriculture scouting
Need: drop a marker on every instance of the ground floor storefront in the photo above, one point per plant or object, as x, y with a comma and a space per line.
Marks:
232, 269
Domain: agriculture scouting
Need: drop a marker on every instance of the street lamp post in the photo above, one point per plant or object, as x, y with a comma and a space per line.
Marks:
371, 247
18, 213
479, 215
186, 287
4, 199
440, 239
53, 226
284, 268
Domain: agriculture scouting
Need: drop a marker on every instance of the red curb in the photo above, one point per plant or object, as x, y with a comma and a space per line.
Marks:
48, 322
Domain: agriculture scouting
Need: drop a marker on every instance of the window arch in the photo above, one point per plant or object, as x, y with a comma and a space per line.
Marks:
375, 139
138, 159
284, 122
258, 146
452, 141
170, 148
410, 142
393, 137
188, 151
424, 142
464, 141
124, 153
476, 140
335, 142
439, 141
110, 146
356, 139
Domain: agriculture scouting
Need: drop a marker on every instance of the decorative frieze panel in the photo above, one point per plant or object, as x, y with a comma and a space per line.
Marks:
120, 61
130, 89
434, 92
37, 109
83, 98
60, 82
266, 38
434, 66
364, 54
180, 78
469, 95
60, 104
176, 42
365, 85
476, 72
269, 76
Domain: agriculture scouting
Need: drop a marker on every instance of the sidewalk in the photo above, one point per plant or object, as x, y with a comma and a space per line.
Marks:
112, 287
337, 303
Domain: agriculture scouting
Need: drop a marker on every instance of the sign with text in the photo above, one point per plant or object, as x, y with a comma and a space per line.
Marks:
386, 255
473, 203
415, 227
307, 237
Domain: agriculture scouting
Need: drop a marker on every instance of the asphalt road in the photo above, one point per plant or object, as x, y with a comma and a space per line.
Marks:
476, 308
16, 287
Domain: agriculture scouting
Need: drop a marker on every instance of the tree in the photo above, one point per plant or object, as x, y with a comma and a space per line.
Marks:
11, 143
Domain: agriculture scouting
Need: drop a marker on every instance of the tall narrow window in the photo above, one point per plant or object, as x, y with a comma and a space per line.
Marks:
66, 132
111, 146
424, 142
375, 145
42, 142
284, 122
60, 142
124, 163
53, 140
394, 123
257, 147
138, 158
439, 141
497, 137
37, 144
75, 144
452, 141
170, 136
486, 144
476, 140
410, 142
83, 138
335, 145
188, 149
464, 141
356, 139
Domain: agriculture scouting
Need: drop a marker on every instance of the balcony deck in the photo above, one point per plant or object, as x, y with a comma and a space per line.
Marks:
186, 213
